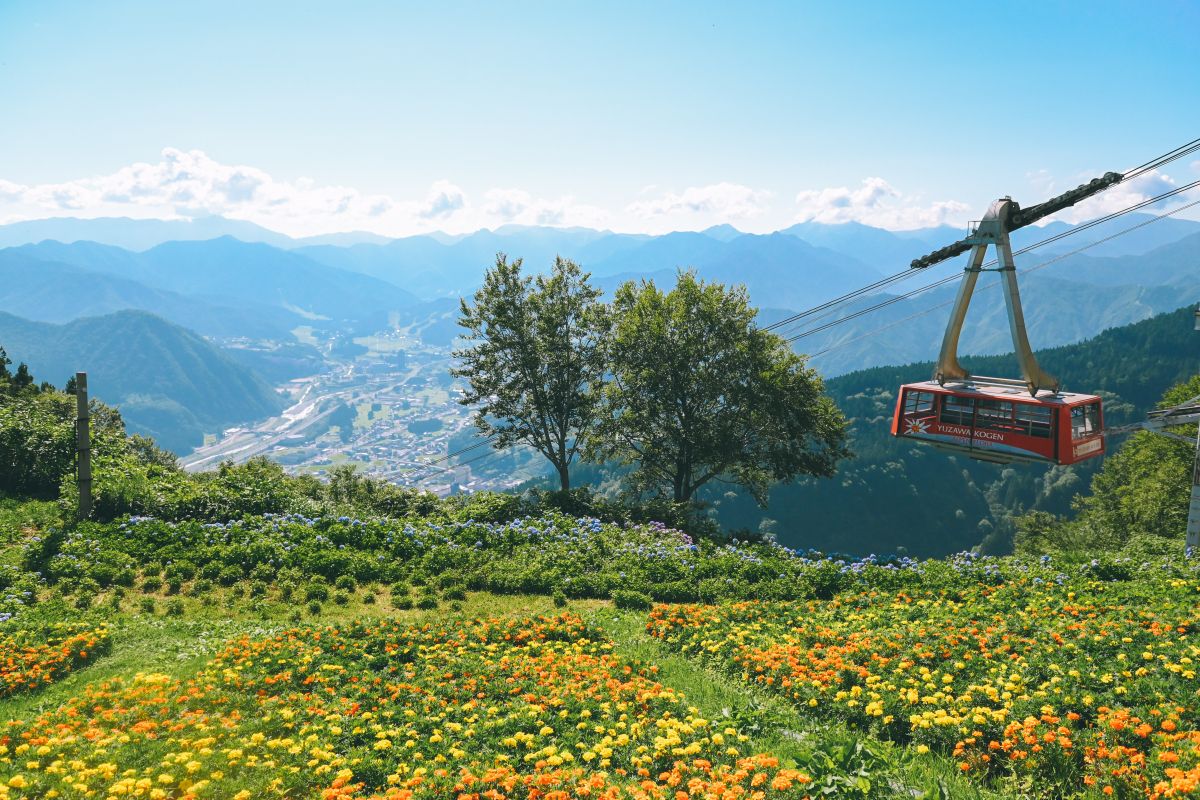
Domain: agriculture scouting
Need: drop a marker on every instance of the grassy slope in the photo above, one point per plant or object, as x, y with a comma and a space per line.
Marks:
181, 645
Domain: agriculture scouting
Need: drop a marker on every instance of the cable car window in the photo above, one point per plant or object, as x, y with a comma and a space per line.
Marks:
1034, 420
995, 414
957, 410
917, 403
1085, 421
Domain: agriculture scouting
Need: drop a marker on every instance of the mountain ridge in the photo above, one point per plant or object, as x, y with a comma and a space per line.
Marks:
167, 381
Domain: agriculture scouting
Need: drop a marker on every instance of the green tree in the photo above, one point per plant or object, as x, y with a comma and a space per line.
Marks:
699, 393
535, 359
1144, 488
1140, 494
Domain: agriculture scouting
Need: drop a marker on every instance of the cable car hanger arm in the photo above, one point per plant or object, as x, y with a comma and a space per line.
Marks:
992, 231
1017, 217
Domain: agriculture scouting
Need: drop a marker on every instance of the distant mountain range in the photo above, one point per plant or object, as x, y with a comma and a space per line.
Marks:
255, 278
168, 382
234, 281
142, 234
227, 287
52, 291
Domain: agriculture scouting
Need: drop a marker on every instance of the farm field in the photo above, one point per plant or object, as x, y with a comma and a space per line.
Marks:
558, 656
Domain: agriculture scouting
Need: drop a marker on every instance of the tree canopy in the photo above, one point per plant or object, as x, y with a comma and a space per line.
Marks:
698, 393
535, 359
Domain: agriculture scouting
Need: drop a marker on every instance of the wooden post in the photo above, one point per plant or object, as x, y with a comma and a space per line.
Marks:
83, 446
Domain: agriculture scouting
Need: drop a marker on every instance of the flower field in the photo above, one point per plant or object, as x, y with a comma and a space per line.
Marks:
31, 659
482, 709
1049, 687
956, 678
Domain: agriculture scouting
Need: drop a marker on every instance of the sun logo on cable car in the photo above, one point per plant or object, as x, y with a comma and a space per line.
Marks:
916, 426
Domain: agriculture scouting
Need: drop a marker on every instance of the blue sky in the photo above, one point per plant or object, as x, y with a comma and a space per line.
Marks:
402, 117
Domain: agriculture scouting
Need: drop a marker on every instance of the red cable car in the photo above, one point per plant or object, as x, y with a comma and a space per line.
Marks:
997, 419
1001, 423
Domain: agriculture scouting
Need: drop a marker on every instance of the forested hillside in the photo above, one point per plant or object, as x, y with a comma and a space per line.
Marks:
168, 382
894, 494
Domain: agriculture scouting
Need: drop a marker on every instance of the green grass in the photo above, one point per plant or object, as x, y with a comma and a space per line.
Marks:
20, 519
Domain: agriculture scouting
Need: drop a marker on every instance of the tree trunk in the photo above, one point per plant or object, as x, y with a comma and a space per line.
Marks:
564, 477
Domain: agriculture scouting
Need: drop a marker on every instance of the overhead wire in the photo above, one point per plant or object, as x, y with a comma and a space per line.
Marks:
481, 457
433, 464
1154, 163
1135, 172
1022, 251
1056, 259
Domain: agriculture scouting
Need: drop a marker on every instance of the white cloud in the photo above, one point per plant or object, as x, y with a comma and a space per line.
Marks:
876, 202
443, 200
11, 192
718, 202
188, 184
517, 206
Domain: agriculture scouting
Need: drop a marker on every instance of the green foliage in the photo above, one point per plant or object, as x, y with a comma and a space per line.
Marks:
37, 441
699, 393
632, 601
535, 359
1139, 498
327, 559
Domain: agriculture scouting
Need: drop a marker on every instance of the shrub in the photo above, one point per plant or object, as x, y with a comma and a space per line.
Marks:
346, 583
427, 602
404, 603
314, 608
151, 584
633, 601
262, 572
316, 592
175, 608
560, 598
181, 570
228, 576
148, 606
341, 598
